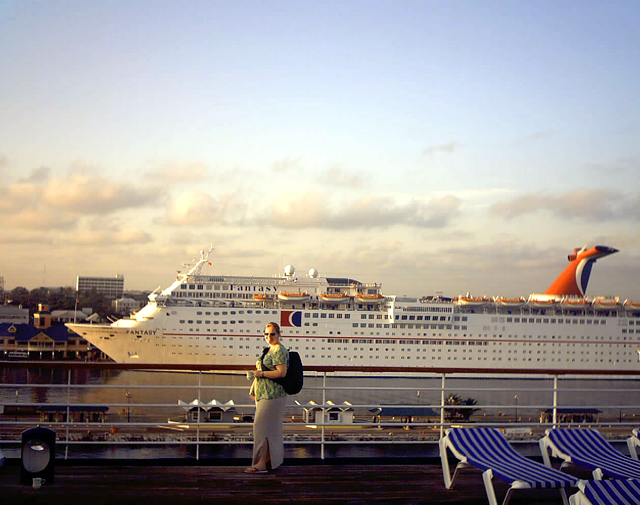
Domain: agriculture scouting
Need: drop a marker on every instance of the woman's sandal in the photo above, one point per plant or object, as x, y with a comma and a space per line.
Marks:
253, 469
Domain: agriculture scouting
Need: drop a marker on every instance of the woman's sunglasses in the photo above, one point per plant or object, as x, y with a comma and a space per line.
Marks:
267, 334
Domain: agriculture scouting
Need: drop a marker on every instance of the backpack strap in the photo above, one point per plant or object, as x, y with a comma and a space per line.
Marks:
264, 353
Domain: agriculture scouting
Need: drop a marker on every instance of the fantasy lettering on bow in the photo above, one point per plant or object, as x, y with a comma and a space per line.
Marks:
142, 332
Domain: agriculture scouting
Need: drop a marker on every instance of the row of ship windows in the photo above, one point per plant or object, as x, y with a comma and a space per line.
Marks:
375, 325
446, 358
428, 308
234, 312
331, 315
322, 315
354, 325
431, 342
451, 343
314, 315
543, 320
378, 349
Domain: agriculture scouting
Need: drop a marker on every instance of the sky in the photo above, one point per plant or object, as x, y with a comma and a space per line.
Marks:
433, 147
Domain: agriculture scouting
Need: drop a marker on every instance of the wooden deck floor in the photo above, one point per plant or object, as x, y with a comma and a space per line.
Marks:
228, 485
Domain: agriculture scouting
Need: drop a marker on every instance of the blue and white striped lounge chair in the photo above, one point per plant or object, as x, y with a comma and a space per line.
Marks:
589, 449
607, 492
488, 450
633, 442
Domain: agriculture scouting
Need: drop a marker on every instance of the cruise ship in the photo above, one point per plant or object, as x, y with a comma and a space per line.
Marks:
351, 325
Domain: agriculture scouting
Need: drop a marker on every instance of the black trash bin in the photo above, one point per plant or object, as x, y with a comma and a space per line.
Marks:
38, 455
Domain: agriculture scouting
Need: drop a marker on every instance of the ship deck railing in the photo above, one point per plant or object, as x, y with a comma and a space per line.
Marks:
523, 409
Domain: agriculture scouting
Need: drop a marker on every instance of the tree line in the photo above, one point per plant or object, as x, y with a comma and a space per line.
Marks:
63, 298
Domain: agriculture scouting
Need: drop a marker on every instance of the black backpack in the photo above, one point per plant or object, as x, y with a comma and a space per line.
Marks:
294, 380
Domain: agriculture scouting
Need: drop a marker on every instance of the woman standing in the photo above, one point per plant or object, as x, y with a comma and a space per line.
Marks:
271, 400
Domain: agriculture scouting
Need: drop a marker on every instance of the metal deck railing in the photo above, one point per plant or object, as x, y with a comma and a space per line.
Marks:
141, 418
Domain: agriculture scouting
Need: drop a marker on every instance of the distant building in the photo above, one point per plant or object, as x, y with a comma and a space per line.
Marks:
125, 305
42, 318
111, 287
13, 314
391, 414
77, 413
214, 411
69, 316
53, 342
335, 414
571, 415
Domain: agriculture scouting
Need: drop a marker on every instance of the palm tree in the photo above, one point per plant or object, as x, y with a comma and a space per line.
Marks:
463, 410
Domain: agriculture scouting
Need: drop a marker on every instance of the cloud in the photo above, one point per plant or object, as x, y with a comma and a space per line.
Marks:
305, 210
171, 172
37, 175
97, 195
38, 201
533, 137
287, 165
447, 148
597, 205
104, 237
312, 210
22, 206
195, 207
37, 239
17, 197
618, 166
336, 176
35, 219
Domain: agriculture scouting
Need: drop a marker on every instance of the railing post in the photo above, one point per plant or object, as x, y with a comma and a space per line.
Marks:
442, 403
324, 401
66, 447
555, 400
198, 425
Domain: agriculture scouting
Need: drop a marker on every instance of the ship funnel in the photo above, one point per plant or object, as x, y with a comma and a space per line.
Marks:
575, 278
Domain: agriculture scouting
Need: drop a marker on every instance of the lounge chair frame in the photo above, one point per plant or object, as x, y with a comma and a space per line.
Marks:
521, 478
633, 442
592, 451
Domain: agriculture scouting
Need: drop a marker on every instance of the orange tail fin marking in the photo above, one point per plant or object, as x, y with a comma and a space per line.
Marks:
575, 278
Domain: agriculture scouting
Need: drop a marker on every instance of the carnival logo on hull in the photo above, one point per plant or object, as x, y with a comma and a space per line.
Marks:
291, 318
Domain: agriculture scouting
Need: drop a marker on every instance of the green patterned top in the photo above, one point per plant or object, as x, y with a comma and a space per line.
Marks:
264, 388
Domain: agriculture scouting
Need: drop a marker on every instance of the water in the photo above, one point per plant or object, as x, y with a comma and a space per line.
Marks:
163, 390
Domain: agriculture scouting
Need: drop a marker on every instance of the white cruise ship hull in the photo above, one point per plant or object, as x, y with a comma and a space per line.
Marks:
218, 320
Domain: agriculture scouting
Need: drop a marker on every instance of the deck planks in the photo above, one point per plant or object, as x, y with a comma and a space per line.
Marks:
324, 484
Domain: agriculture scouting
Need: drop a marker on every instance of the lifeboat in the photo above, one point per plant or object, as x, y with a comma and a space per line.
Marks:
575, 303
470, 301
632, 306
509, 302
543, 302
606, 303
263, 298
333, 297
362, 298
284, 296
